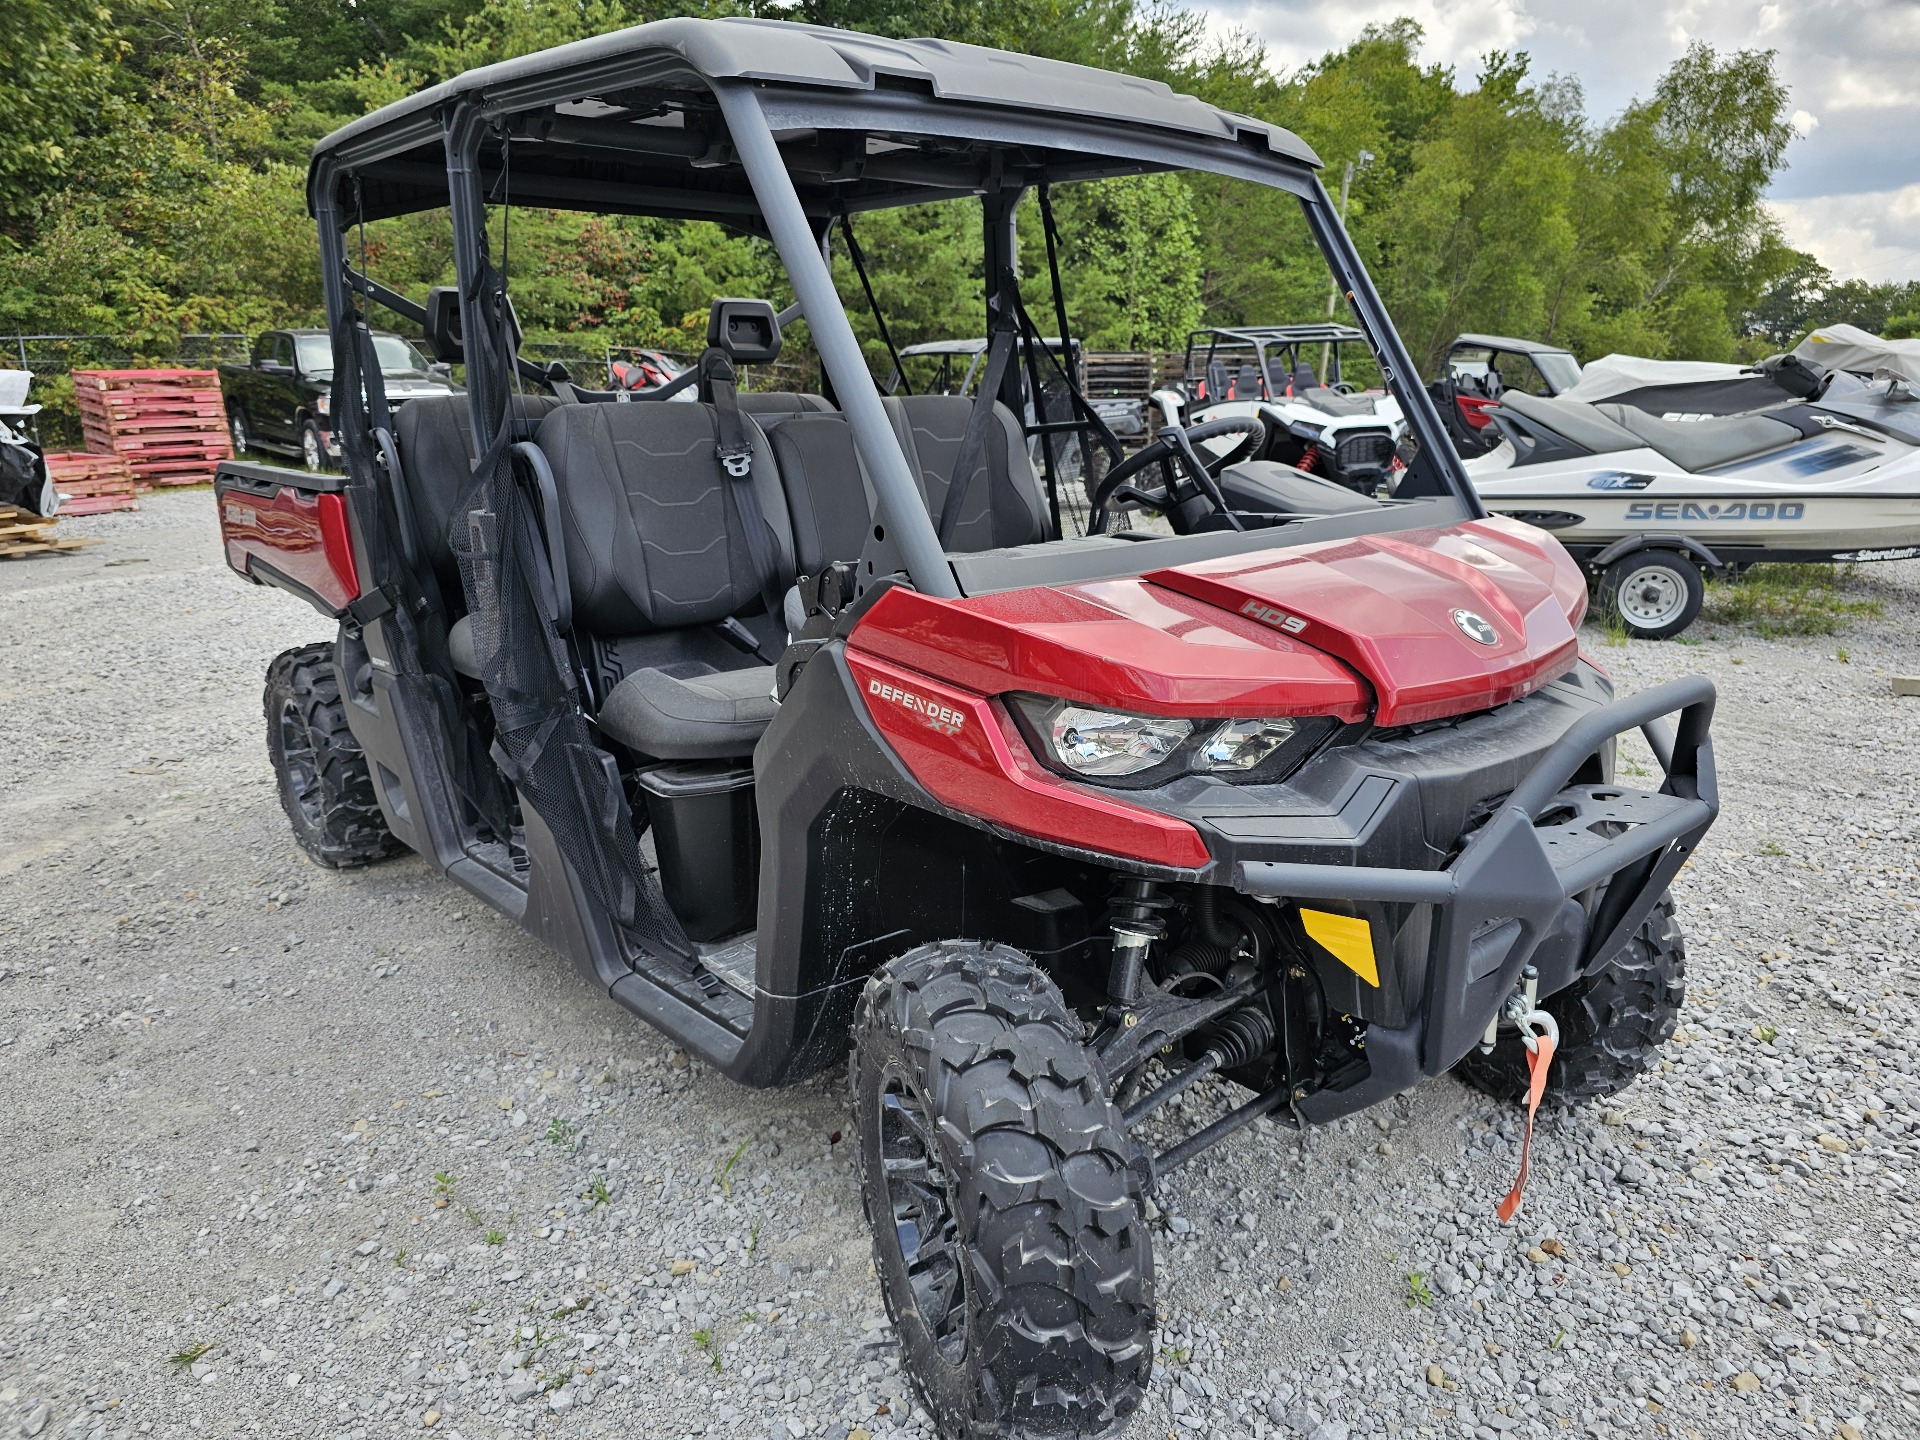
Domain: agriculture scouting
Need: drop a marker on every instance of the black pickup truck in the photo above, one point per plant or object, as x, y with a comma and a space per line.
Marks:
279, 400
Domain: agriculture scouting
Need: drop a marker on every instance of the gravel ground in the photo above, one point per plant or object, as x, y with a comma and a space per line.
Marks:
305, 1154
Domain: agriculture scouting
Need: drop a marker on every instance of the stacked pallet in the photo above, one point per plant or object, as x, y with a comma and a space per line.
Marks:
170, 426
91, 484
24, 533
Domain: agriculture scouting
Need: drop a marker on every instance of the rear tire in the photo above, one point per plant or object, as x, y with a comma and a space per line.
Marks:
1008, 1228
326, 787
1655, 594
1612, 1021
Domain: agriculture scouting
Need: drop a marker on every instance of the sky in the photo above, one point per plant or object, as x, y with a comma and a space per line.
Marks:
1851, 192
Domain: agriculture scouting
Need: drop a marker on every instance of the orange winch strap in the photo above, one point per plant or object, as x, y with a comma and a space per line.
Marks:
1537, 1061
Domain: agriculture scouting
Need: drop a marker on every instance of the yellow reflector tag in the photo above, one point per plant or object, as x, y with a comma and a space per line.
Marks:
1347, 938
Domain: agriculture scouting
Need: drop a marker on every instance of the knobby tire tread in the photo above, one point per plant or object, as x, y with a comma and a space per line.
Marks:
352, 831
1060, 1270
1612, 1022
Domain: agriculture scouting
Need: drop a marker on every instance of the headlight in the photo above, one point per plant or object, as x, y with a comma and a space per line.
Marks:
1244, 744
321, 403
1107, 742
1114, 747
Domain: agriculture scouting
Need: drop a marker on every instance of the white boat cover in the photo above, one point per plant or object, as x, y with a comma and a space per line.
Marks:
1613, 375
1848, 347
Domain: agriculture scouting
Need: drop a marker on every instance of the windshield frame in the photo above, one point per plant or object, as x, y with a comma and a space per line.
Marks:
1020, 148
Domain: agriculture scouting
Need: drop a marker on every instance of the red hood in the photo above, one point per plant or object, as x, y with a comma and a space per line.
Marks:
1439, 622
1255, 635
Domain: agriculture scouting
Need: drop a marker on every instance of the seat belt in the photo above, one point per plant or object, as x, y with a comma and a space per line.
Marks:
735, 453
973, 441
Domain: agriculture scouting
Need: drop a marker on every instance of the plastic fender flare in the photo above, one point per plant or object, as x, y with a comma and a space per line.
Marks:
1685, 544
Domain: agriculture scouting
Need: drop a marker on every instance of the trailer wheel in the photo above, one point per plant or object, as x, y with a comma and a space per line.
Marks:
325, 785
1008, 1229
1654, 593
1613, 1022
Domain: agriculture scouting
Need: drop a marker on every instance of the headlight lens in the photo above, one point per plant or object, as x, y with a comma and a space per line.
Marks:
1108, 742
1133, 752
1245, 744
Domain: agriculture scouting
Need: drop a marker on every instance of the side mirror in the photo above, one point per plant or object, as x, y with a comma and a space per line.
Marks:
443, 338
440, 370
443, 325
748, 330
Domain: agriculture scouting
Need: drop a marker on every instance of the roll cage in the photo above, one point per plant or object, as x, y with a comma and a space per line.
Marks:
779, 131
1276, 351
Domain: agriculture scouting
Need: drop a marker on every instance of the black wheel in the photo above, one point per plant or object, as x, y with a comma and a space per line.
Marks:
313, 448
325, 786
1654, 593
1612, 1022
242, 436
1008, 1228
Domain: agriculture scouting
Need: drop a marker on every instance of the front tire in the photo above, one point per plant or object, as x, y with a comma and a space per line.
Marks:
1612, 1021
1655, 594
1008, 1225
240, 431
326, 787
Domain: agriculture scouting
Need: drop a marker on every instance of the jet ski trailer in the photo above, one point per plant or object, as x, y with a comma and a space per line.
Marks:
1650, 482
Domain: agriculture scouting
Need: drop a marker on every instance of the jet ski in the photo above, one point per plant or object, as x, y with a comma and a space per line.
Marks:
1316, 422
24, 481
1650, 475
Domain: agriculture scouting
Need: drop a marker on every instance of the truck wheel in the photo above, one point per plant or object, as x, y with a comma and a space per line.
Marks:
242, 435
1613, 1022
325, 786
313, 449
1654, 593
1008, 1229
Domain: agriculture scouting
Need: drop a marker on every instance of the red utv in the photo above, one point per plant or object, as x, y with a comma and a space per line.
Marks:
799, 724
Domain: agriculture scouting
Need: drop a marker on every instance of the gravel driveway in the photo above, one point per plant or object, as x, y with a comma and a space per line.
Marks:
293, 1153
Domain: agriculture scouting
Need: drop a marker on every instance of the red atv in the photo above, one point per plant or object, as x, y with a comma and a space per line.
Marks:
798, 723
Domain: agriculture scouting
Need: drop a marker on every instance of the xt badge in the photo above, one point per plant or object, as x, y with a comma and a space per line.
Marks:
1279, 619
1474, 628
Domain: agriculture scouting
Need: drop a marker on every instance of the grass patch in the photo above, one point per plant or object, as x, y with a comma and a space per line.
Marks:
1778, 600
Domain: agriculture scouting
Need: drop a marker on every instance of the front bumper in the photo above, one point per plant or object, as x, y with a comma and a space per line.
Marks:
1525, 886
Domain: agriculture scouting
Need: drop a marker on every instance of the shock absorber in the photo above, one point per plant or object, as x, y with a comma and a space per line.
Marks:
1133, 915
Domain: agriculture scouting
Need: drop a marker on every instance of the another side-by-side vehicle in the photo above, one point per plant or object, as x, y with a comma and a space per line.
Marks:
802, 728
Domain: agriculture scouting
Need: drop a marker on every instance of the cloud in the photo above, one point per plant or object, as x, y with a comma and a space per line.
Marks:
1874, 236
1849, 63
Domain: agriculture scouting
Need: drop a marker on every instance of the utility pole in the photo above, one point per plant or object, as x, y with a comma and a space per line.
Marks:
1365, 159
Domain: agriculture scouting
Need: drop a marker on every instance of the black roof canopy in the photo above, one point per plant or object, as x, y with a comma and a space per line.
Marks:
628, 121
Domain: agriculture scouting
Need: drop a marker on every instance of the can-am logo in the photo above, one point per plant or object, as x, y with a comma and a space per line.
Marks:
1279, 619
1474, 628
943, 718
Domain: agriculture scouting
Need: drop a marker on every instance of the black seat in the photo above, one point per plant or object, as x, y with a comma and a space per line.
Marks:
1246, 383
657, 556
436, 462
1004, 503
772, 407
831, 500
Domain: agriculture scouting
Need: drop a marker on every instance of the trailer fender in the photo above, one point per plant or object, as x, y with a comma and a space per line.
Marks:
1685, 544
